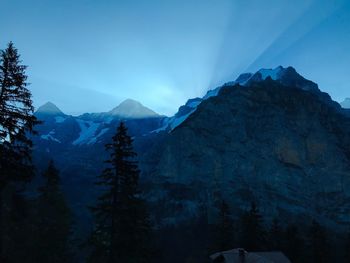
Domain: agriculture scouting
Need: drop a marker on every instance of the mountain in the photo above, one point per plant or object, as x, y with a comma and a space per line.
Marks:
49, 109
346, 103
131, 109
59, 128
279, 146
271, 137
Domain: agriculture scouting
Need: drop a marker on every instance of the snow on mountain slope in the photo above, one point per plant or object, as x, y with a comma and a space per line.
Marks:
50, 136
59, 119
273, 73
87, 132
178, 120
90, 128
94, 126
99, 134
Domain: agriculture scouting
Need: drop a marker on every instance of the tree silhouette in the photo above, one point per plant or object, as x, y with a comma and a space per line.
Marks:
252, 235
52, 221
275, 236
223, 229
320, 250
293, 245
122, 227
16, 122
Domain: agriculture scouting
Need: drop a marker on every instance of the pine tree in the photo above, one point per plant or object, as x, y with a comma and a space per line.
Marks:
319, 243
16, 122
122, 226
16, 118
224, 229
19, 233
346, 248
275, 236
52, 221
252, 236
293, 244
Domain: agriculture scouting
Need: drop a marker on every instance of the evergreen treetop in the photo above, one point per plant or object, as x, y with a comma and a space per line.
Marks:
52, 222
252, 229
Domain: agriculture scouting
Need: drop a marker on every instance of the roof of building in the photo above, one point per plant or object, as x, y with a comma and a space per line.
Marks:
235, 256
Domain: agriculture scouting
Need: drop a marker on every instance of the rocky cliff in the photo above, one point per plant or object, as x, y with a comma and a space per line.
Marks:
280, 146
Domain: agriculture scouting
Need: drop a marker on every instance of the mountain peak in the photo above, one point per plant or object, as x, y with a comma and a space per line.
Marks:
132, 109
262, 74
50, 109
287, 76
130, 103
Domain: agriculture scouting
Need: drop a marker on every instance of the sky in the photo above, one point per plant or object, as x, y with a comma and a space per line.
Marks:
90, 55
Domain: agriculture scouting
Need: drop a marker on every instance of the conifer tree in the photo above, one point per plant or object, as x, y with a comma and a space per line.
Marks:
252, 236
16, 122
224, 229
16, 118
122, 226
19, 233
293, 245
346, 248
52, 221
319, 243
275, 235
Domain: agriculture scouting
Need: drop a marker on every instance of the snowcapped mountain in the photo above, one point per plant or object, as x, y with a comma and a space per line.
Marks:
286, 76
346, 103
91, 128
131, 109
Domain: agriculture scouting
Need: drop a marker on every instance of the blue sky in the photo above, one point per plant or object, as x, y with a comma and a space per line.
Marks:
89, 55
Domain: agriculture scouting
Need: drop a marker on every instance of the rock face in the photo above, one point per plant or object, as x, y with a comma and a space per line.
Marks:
280, 146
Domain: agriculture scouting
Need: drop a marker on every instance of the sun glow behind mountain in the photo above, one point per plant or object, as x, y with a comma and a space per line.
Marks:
88, 56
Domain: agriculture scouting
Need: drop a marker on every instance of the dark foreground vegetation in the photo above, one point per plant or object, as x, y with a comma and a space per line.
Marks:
37, 224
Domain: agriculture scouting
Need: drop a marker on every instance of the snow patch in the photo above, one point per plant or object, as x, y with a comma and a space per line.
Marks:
94, 139
212, 93
49, 137
273, 73
177, 121
87, 131
108, 120
59, 119
194, 104
103, 131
